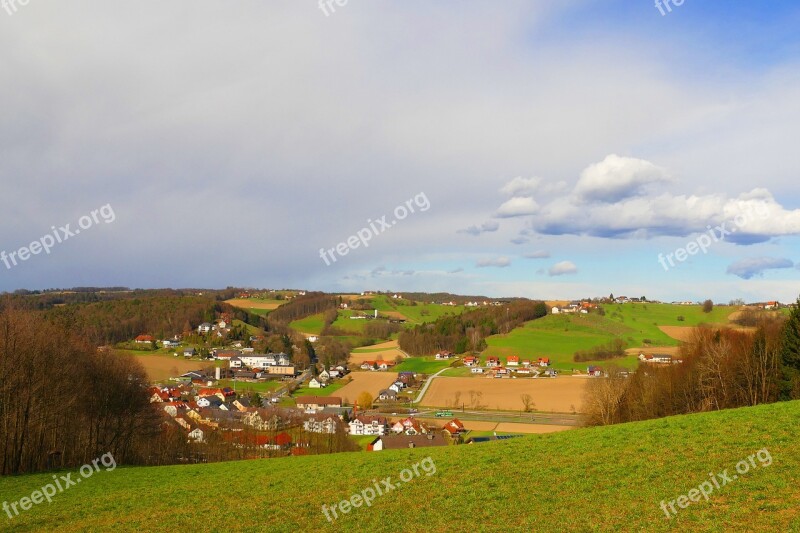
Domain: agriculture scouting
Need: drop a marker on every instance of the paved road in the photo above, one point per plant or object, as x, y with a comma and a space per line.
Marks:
424, 388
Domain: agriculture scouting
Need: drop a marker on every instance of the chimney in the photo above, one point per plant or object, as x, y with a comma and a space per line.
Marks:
217, 373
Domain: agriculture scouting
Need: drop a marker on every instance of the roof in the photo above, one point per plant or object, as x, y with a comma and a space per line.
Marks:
399, 442
318, 400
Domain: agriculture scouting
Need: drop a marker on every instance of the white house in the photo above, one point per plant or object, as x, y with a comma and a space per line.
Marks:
205, 327
315, 384
368, 425
197, 435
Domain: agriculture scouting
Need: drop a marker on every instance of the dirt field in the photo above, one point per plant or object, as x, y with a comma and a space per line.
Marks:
252, 304
388, 352
668, 350
514, 427
371, 382
163, 367
681, 333
553, 395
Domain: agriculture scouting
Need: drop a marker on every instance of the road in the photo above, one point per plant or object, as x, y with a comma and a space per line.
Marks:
424, 388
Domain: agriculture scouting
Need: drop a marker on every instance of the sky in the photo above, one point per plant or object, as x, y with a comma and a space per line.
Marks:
547, 149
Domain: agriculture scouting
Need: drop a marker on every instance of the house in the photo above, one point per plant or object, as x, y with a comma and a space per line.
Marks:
394, 387
205, 327
409, 426
543, 362
368, 425
324, 376
594, 371
470, 361
189, 352
455, 427
555, 310
145, 339
406, 377
334, 374
526, 363
315, 384
387, 395
501, 372
263, 420
321, 423
197, 435
444, 355
210, 401
523, 370
400, 442
317, 403
477, 370
493, 361
225, 355
550, 373
385, 365
168, 343
369, 365
771, 305
512, 360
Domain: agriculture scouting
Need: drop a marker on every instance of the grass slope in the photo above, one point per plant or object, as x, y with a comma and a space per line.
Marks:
600, 479
560, 336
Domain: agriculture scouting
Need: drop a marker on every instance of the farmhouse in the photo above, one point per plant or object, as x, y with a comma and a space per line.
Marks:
317, 403
315, 384
145, 339
493, 361
444, 355
454, 427
470, 361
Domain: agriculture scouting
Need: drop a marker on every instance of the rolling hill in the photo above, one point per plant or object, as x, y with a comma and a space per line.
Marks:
599, 479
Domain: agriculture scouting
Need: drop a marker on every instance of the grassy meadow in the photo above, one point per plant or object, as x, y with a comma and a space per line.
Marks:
600, 479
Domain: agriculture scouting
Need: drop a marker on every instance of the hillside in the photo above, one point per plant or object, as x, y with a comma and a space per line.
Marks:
560, 336
601, 479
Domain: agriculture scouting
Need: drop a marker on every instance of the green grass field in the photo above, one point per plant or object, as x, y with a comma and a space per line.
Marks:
241, 386
601, 479
560, 336
312, 324
327, 391
422, 365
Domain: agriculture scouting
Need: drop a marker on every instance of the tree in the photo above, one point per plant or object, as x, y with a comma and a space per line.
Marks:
790, 356
527, 402
708, 306
364, 400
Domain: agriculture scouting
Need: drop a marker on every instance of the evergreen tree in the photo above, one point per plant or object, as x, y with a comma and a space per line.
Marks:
790, 356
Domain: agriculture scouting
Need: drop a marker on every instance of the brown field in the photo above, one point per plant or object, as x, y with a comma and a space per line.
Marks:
371, 382
515, 427
554, 395
668, 350
246, 303
389, 352
681, 333
161, 367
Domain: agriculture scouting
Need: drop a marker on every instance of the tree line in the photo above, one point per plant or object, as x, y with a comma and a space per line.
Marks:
468, 331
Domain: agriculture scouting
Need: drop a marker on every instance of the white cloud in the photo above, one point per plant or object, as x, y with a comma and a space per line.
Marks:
756, 266
486, 227
498, 262
616, 178
563, 268
517, 207
538, 254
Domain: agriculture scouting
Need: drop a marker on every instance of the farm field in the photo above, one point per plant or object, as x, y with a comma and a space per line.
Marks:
560, 395
487, 428
325, 391
311, 325
422, 365
242, 386
560, 336
387, 351
625, 492
255, 305
163, 367
371, 382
